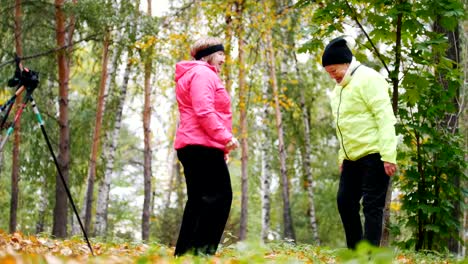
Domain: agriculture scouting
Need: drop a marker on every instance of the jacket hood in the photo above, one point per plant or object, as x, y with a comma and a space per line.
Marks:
184, 66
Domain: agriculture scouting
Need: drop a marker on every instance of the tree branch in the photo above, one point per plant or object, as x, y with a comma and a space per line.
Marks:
44, 53
354, 16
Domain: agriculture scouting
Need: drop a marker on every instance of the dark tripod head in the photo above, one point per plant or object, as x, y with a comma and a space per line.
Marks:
24, 76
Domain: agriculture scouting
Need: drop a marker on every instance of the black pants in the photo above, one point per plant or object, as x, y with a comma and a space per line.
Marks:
366, 179
209, 200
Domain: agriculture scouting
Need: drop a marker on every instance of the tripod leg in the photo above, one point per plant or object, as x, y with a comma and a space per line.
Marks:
41, 123
9, 104
17, 117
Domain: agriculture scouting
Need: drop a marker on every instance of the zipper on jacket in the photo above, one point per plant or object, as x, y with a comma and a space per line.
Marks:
338, 126
338, 115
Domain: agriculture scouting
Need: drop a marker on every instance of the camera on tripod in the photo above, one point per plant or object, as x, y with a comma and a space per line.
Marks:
26, 77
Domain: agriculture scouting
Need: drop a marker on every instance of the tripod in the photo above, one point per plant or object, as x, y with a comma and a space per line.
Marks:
28, 80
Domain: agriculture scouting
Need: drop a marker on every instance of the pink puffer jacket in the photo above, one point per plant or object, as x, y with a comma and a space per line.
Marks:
204, 106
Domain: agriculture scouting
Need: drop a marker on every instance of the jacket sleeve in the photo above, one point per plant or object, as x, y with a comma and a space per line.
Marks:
202, 93
377, 97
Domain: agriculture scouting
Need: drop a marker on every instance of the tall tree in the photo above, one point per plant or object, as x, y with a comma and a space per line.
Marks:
145, 221
395, 78
112, 134
16, 145
109, 150
266, 171
271, 58
240, 6
100, 108
450, 122
60, 210
309, 179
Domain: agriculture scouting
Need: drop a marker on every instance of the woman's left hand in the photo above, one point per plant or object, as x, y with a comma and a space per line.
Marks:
232, 144
390, 168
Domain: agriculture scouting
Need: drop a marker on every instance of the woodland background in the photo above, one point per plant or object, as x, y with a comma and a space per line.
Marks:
107, 98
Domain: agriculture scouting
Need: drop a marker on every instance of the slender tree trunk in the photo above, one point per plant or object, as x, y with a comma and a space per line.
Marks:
166, 209
266, 172
173, 178
16, 145
306, 161
43, 203
88, 202
288, 225
61, 203
385, 240
102, 203
420, 189
243, 122
112, 135
145, 223
464, 121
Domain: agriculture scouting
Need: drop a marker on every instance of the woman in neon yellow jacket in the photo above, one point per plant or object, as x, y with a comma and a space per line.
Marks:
364, 122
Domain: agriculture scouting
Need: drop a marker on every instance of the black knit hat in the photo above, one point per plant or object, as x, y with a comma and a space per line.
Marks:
336, 52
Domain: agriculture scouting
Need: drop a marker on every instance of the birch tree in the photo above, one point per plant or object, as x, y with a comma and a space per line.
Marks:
266, 170
112, 135
100, 108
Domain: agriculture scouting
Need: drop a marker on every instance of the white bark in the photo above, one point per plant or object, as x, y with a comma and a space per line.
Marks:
102, 205
43, 204
266, 165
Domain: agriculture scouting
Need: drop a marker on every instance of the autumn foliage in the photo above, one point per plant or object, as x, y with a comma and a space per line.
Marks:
22, 248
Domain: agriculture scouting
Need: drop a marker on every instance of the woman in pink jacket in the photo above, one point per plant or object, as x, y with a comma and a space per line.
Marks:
203, 140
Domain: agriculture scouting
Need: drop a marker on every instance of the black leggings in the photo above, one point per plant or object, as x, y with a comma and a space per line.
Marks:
364, 178
209, 199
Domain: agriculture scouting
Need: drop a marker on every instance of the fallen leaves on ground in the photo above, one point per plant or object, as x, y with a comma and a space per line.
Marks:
22, 248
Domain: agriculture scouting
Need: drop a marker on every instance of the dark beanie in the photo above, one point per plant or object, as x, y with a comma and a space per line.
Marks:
336, 52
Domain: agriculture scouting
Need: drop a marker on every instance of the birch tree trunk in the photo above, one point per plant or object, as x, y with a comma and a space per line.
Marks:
288, 225
59, 228
112, 136
266, 162
306, 161
16, 145
242, 121
100, 108
43, 203
145, 222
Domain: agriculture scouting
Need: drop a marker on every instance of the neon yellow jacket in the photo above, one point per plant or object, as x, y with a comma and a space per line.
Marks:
363, 115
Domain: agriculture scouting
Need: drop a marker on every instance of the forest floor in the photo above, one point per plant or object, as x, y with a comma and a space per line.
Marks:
20, 248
